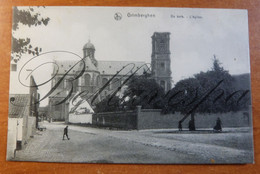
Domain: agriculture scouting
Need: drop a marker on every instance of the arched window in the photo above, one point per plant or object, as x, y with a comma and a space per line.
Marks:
115, 83
162, 84
87, 79
104, 81
98, 80
75, 85
61, 84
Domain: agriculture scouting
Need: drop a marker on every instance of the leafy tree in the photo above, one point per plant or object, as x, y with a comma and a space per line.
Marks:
141, 90
182, 96
207, 92
144, 91
109, 104
22, 45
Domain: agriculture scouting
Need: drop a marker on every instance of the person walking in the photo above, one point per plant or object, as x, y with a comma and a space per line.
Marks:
66, 133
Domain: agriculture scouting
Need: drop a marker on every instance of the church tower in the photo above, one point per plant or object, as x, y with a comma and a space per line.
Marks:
90, 80
161, 61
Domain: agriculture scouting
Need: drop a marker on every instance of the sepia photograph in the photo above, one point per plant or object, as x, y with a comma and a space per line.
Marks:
132, 85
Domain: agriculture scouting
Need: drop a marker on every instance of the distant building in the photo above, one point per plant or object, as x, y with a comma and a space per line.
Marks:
43, 112
98, 73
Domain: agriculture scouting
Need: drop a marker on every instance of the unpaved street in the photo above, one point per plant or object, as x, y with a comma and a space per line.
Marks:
93, 145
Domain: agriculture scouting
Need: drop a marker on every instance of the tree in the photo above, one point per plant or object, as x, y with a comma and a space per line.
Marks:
22, 45
108, 104
141, 90
207, 92
182, 95
144, 91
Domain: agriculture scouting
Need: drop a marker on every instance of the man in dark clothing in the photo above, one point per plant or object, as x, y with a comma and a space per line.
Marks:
180, 126
191, 125
66, 133
218, 126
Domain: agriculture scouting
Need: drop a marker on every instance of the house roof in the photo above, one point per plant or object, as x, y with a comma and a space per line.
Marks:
17, 105
112, 67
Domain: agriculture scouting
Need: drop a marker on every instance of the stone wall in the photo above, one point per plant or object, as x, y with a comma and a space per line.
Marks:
80, 118
153, 119
121, 120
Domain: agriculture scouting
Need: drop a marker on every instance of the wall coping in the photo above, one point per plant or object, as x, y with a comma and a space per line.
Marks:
117, 112
151, 110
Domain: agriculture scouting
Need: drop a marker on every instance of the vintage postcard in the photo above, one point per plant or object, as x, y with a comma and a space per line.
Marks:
130, 85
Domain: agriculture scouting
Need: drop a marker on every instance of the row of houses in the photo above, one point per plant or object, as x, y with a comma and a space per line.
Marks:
22, 118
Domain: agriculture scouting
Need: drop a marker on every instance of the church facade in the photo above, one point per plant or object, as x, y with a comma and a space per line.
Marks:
106, 75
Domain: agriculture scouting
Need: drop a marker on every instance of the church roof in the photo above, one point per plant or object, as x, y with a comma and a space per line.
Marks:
112, 67
89, 45
58, 92
64, 66
104, 67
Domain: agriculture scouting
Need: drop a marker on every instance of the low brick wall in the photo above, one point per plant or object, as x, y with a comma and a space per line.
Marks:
153, 119
121, 120
80, 118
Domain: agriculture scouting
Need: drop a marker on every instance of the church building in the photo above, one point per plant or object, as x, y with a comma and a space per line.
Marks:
97, 74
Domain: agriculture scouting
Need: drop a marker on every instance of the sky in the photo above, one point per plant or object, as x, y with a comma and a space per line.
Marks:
196, 35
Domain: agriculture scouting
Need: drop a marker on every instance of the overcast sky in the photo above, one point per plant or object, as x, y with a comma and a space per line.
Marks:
193, 42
